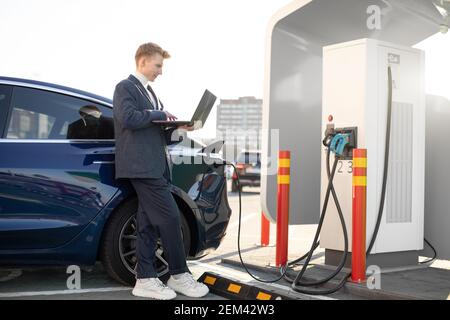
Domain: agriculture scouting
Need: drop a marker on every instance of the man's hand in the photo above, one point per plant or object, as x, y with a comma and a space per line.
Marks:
186, 127
170, 116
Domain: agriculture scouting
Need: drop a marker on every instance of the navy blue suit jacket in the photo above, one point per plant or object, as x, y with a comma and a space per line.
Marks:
141, 146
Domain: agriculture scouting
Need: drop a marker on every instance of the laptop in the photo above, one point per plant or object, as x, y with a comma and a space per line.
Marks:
198, 118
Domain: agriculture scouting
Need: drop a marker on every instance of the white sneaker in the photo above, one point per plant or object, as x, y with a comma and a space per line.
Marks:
153, 288
188, 286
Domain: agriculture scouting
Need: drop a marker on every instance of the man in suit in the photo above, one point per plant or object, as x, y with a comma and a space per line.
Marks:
142, 157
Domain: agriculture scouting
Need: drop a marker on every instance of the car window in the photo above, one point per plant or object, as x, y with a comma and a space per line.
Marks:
39, 114
5, 96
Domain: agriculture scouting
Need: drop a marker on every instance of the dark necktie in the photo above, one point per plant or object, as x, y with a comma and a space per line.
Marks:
154, 96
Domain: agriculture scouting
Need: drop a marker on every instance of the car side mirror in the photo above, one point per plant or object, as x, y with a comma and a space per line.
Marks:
91, 111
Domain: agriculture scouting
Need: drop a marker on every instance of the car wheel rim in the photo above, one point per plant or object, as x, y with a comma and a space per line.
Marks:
127, 249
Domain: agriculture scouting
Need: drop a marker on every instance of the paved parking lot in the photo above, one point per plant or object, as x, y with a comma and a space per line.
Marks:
51, 283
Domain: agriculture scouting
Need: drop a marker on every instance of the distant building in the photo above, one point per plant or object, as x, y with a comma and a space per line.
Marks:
239, 123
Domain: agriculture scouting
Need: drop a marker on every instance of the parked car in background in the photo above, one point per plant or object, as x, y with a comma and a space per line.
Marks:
248, 165
59, 201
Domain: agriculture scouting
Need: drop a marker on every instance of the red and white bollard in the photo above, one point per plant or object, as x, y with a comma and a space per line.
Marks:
359, 215
265, 230
284, 171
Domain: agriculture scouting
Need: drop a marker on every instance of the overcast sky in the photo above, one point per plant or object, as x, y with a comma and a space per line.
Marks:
215, 44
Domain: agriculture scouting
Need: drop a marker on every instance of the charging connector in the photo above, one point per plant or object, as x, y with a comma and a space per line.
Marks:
351, 142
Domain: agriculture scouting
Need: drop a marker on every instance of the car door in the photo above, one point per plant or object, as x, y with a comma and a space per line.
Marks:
56, 166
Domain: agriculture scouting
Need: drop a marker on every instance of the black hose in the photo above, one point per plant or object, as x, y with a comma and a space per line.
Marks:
434, 253
297, 283
296, 261
386, 163
239, 238
385, 173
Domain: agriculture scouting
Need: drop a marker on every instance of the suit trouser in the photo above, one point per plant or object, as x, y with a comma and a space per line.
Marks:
157, 213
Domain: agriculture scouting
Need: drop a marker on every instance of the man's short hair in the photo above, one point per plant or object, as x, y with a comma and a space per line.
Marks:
149, 49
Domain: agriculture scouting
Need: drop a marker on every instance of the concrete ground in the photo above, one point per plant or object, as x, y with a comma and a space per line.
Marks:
420, 282
50, 283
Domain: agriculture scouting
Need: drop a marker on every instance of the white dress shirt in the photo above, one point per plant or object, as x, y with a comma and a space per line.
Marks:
142, 79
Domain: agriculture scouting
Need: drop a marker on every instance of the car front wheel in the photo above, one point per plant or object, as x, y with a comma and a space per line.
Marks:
118, 247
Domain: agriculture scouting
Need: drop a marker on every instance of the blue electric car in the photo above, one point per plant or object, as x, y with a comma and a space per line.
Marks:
59, 201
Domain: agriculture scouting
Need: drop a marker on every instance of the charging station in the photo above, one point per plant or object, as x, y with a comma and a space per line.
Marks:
345, 91
356, 101
294, 98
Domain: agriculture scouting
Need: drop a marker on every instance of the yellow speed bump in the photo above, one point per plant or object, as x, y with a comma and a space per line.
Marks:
263, 296
234, 288
237, 291
210, 280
